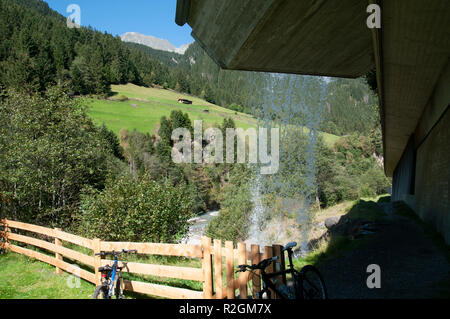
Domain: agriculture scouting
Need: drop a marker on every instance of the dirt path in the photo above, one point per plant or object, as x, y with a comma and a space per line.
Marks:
411, 265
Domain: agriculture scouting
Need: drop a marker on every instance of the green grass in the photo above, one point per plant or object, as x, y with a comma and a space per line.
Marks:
25, 278
145, 107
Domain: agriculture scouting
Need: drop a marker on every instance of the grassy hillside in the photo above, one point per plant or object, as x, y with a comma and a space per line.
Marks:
145, 107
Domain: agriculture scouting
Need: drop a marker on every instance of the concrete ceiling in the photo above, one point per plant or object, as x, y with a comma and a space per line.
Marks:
316, 37
415, 50
330, 37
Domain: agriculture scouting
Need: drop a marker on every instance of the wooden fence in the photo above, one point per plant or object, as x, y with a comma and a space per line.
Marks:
218, 261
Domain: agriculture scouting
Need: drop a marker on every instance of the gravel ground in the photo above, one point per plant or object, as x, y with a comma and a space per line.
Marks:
411, 266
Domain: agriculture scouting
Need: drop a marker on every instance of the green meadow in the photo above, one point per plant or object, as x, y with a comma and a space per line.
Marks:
145, 107
134, 107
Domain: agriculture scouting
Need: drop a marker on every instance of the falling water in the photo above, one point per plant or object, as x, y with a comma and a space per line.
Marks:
257, 216
293, 104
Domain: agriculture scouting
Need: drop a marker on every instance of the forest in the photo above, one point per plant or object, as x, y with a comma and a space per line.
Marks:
58, 169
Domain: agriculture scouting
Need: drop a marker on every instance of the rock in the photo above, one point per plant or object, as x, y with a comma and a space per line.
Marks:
321, 225
332, 221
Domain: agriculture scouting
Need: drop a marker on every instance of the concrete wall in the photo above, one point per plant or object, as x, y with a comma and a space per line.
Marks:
432, 201
422, 176
404, 176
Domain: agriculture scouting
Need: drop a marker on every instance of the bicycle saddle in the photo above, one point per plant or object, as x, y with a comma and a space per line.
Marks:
290, 245
105, 268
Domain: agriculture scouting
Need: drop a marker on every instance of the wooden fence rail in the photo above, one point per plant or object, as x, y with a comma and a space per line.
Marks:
217, 274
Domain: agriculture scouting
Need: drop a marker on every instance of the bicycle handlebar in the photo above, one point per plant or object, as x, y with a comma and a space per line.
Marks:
116, 253
261, 266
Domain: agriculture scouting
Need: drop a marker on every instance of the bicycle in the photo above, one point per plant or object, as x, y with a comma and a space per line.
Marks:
112, 280
308, 283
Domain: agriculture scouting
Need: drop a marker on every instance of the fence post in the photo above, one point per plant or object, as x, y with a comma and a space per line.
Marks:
279, 264
242, 260
207, 268
6, 232
218, 268
229, 253
256, 279
97, 261
58, 242
283, 263
268, 253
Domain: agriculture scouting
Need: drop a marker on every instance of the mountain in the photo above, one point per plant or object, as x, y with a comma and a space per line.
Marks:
153, 42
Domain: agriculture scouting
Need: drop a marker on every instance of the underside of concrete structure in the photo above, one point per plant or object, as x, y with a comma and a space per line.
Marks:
410, 53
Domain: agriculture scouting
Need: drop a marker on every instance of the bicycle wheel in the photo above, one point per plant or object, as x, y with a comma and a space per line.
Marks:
311, 284
101, 292
118, 290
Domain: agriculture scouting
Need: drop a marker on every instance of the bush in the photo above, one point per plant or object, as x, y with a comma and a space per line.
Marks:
236, 207
121, 98
351, 171
136, 210
50, 149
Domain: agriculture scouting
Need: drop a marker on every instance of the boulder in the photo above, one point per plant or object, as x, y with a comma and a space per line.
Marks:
332, 221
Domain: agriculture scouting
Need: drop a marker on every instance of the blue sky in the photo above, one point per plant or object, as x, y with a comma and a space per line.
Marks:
151, 17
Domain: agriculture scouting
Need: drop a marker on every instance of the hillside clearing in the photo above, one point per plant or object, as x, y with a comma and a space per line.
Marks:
134, 107
146, 106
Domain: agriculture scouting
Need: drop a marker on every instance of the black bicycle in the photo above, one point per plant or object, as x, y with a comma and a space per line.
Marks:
307, 283
112, 280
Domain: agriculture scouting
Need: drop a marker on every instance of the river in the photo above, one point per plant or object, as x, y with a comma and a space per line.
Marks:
197, 228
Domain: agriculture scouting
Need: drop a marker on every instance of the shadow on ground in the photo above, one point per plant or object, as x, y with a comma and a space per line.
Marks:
414, 259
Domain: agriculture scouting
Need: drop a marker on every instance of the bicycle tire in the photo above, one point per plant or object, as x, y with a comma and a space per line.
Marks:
101, 292
309, 290
118, 289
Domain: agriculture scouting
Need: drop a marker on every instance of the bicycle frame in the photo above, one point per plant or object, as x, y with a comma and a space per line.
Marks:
268, 284
113, 277
113, 282
114, 274
298, 290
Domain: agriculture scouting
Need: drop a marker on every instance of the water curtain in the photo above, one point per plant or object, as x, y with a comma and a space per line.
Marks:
283, 201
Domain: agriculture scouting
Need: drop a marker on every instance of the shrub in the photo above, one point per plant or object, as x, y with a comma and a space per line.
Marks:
136, 210
236, 207
50, 149
351, 171
121, 98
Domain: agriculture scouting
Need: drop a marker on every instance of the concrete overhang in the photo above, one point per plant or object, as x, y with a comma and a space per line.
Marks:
317, 37
331, 38
415, 51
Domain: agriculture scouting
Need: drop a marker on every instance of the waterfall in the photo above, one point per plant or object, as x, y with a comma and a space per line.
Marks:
255, 232
294, 104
